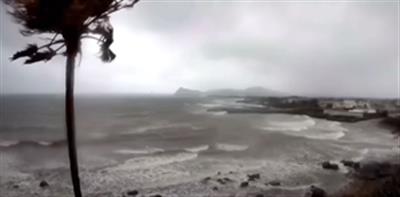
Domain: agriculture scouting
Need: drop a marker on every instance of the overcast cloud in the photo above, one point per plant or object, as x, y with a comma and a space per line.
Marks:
304, 48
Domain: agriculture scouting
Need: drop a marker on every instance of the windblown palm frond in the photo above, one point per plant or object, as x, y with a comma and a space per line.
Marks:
30, 50
70, 19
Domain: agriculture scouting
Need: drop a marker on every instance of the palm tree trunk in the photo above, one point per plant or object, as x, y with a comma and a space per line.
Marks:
70, 122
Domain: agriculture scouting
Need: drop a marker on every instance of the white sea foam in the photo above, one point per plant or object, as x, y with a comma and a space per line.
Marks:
302, 123
148, 150
305, 126
8, 167
325, 135
328, 130
231, 147
8, 143
146, 128
148, 162
218, 113
44, 143
197, 149
159, 126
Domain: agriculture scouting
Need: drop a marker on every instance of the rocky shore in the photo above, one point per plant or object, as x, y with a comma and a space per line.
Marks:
374, 179
370, 179
326, 171
392, 123
312, 112
316, 108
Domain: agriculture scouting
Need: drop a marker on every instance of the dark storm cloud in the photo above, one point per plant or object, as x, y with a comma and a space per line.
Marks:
332, 49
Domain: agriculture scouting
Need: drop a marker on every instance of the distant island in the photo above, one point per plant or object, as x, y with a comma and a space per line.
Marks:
185, 92
256, 91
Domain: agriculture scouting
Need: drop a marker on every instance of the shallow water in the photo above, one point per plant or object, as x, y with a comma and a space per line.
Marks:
168, 145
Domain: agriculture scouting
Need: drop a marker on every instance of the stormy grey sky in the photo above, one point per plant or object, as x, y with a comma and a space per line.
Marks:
324, 48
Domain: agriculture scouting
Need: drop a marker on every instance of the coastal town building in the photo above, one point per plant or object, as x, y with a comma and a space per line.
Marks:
347, 108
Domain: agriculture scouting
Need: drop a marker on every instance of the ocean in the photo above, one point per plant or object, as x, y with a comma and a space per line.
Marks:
167, 145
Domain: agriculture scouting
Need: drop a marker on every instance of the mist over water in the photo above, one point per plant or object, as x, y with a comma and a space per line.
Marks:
155, 142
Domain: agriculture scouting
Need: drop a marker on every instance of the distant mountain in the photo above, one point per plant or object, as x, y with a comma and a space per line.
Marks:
185, 92
251, 91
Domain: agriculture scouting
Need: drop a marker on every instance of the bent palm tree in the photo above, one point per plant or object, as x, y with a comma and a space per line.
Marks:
68, 21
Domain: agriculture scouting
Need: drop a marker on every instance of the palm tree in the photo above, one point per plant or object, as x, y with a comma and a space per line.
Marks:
67, 22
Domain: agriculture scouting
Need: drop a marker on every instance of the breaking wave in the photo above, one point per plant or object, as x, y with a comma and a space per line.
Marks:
197, 149
146, 162
14, 143
217, 113
305, 126
230, 147
299, 124
159, 126
148, 150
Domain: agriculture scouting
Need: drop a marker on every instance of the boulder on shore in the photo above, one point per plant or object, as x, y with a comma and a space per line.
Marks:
315, 191
244, 184
226, 179
132, 192
274, 183
253, 177
330, 166
221, 181
351, 164
43, 184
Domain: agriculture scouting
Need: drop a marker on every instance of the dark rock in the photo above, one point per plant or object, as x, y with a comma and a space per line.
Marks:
275, 183
156, 195
15, 186
221, 181
244, 184
314, 191
351, 164
253, 177
215, 188
226, 179
43, 184
205, 180
376, 170
329, 166
132, 192
260, 195
218, 173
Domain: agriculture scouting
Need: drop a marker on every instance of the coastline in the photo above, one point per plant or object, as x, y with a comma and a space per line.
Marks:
224, 183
